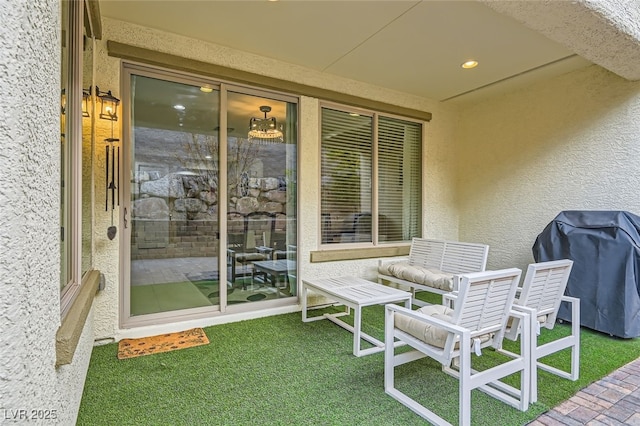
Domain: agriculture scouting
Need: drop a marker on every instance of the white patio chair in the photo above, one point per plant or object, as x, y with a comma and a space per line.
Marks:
481, 308
543, 291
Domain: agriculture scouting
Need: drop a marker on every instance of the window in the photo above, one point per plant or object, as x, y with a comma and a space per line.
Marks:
76, 151
371, 177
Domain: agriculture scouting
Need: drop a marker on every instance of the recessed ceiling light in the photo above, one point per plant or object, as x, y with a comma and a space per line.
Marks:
179, 107
470, 64
206, 89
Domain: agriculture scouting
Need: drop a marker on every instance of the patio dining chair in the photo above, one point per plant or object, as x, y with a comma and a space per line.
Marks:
278, 241
477, 319
543, 291
245, 235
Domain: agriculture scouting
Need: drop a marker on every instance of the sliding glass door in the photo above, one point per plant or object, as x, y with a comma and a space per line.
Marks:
211, 222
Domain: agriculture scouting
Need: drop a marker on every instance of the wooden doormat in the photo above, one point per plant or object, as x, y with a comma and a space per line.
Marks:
131, 348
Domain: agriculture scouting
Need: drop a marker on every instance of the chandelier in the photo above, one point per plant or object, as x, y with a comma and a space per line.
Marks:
264, 130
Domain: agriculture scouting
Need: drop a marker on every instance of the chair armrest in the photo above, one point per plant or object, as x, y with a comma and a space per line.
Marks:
456, 283
570, 299
231, 258
526, 324
267, 251
448, 299
395, 259
522, 313
575, 309
518, 311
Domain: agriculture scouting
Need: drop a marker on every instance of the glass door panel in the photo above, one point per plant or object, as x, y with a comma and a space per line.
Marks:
261, 194
173, 196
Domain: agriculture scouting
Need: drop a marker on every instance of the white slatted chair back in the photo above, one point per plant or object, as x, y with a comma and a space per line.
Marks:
426, 253
484, 301
461, 258
452, 257
543, 288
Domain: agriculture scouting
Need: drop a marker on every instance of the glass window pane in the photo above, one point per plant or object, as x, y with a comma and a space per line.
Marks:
399, 176
174, 196
65, 154
261, 177
87, 157
346, 169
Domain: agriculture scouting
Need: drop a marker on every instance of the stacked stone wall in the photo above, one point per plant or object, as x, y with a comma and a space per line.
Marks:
176, 215
163, 239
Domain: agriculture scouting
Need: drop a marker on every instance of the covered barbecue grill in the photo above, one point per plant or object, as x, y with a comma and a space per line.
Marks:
605, 249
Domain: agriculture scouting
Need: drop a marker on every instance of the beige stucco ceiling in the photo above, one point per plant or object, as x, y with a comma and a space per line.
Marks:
410, 46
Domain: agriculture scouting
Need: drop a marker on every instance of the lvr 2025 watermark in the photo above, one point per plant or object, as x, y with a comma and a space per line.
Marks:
26, 414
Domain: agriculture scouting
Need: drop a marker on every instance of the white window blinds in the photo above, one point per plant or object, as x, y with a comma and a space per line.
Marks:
346, 173
399, 175
348, 183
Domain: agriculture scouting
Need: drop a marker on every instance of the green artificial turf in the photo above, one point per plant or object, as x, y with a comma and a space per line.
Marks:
281, 371
153, 298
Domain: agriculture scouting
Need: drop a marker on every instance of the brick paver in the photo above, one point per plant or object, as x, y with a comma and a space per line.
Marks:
613, 400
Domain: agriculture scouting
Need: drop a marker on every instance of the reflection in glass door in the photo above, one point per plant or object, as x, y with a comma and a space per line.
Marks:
173, 196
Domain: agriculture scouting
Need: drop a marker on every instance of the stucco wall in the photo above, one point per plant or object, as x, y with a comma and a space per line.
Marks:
29, 200
440, 217
570, 143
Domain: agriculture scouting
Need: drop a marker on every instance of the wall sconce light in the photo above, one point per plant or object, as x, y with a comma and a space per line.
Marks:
108, 105
63, 101
86, 101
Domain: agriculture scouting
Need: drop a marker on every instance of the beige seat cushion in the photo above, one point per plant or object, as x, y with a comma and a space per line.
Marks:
383, 268
249, 257
426, 276
426, 332
429, 333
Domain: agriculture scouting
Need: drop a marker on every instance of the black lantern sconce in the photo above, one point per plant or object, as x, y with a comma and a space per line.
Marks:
63, 101
86, 101
108, 105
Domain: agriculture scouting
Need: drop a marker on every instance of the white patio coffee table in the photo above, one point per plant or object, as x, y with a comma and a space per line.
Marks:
354, 293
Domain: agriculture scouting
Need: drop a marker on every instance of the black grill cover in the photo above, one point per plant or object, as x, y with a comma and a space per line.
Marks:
605, 249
